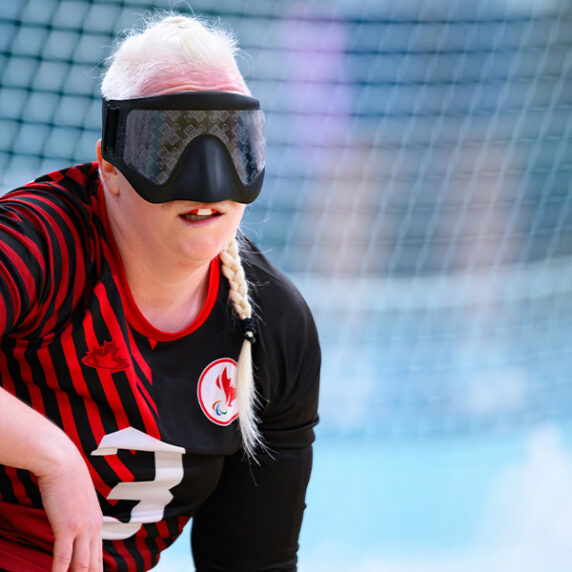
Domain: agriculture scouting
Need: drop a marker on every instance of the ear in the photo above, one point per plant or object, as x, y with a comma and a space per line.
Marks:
108, 172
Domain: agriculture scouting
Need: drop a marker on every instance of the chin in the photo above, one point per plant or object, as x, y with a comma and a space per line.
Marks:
203, 250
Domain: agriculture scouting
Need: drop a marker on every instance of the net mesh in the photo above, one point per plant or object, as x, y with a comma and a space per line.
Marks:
419, 161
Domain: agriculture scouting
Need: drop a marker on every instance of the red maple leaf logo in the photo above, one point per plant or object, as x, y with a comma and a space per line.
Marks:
224, 382
108, 356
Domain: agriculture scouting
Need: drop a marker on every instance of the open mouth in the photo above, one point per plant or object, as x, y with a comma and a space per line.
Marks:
200, 214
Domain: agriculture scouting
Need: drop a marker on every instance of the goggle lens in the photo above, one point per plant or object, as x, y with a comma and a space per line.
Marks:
155, 139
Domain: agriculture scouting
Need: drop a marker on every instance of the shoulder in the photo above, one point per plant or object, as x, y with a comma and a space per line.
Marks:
49, 246
272, 291
56, 210
74, 187
286, 354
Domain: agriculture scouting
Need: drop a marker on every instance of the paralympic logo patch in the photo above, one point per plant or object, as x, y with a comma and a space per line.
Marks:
216, 391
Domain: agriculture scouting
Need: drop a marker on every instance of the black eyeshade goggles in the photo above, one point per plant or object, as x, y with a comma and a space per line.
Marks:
199, 146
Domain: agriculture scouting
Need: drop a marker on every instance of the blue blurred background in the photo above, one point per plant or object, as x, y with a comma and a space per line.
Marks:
418, 192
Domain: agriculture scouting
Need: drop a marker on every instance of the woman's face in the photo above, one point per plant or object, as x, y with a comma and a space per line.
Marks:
176, 232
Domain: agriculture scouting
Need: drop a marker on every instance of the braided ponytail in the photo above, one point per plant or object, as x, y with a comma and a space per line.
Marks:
245, 389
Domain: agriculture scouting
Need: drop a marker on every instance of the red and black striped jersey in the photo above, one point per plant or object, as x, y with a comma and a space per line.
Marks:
152, 412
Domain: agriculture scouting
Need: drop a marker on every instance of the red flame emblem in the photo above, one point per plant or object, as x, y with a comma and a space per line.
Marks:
224, 382
108, 356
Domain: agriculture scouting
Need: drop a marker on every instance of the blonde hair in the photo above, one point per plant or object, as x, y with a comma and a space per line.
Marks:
246, 390
179, 50
171, 50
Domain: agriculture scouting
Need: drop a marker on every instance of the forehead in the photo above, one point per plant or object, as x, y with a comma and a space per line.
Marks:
208, 80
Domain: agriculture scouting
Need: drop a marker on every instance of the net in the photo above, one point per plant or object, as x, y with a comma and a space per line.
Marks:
419, 161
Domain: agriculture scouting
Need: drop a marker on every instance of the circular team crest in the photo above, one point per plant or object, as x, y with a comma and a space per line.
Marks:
217, 391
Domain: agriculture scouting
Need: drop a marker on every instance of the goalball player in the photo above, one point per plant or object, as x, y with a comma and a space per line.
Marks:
155, 367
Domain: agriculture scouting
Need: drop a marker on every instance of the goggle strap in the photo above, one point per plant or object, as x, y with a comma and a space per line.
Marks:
111, 120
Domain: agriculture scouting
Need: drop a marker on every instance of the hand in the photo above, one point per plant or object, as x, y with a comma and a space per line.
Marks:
67, 491
72, 508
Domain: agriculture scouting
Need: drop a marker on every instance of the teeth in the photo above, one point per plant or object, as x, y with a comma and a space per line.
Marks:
200, 214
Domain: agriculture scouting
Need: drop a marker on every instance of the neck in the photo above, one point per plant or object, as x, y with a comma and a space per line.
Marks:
169, 302
169, 292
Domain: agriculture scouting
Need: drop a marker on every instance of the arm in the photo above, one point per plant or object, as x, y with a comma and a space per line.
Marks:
31, 277
30, 441
253, 519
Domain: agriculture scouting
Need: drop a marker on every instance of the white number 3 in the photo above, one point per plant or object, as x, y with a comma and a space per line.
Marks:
153, 496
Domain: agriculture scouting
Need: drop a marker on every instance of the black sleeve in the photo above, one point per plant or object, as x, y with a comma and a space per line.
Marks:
252, 520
